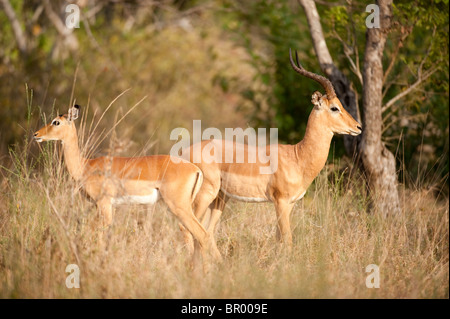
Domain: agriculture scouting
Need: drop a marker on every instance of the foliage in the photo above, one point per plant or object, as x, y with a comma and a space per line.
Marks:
164, 52
416, 127
267, 29
177, 54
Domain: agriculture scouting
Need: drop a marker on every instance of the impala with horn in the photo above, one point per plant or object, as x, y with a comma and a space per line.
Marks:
111, 181
297, 165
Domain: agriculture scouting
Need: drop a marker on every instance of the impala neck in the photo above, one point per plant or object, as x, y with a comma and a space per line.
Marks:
312, 151
72, 156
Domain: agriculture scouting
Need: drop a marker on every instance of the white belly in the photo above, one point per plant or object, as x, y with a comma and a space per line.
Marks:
149, 199
245, 199
245, 188
298, 197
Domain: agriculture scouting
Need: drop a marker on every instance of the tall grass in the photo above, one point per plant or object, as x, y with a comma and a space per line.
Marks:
46, 224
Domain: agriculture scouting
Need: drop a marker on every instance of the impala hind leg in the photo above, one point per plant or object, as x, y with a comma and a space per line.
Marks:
202, 239
216, 208
204, 198
183, 211
201, 214
187, 236
283, 209
209, 221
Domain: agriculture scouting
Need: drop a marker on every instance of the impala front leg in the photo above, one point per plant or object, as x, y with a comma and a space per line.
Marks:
104, 219
283, 210
105, 210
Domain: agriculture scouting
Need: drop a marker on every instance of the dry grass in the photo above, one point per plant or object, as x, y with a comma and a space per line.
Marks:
183, 73
334, 240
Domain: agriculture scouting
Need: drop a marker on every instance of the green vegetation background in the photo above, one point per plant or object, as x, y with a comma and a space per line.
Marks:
224, 62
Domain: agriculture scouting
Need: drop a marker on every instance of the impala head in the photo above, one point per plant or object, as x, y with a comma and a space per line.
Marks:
59, 127
328, 107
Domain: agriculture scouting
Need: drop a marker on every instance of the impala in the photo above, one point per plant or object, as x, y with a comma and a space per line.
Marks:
112, 181
297, 167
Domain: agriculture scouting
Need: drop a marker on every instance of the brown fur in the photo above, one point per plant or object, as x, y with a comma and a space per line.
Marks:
108, 179
298, 165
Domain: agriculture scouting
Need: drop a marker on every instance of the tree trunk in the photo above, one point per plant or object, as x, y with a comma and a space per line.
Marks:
378, 161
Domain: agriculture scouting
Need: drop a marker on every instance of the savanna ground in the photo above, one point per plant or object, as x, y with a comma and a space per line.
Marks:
49, 225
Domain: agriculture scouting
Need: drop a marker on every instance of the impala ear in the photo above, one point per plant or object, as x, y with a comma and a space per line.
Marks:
73, 112
317, 99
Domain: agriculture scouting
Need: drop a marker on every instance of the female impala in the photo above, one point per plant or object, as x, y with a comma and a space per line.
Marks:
119, 180
297, 167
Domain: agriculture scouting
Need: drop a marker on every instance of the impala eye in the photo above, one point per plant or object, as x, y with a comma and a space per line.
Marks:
55, 123
334, 109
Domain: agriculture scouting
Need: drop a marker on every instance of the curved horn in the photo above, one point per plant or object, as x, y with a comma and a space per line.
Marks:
327, 85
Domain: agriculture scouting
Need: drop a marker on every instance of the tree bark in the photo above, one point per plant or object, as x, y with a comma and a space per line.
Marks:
378, 161
19, 34
69, 40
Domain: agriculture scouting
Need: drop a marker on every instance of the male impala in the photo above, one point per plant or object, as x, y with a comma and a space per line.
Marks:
297, 167
119, 180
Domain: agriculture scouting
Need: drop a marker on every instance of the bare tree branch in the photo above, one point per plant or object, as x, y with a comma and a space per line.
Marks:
347, 51
329, 4
395, 54
410, 89
419, 70
54, 18
96, 9
320, 46
36, 15
386, 127
19, 34
343, 87
355, 44
70, 40
420, 76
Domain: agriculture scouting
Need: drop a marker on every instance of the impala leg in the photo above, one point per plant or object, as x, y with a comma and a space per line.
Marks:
283, 209
204, 198
187, 236
217, 208
184, 213
105, 210
206, 217
188, 239
210, 219
199, 233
